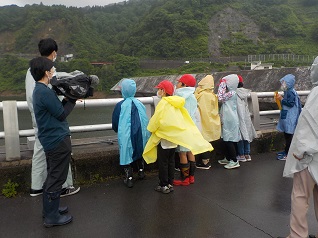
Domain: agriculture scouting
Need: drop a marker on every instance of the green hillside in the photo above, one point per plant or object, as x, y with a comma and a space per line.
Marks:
156, 29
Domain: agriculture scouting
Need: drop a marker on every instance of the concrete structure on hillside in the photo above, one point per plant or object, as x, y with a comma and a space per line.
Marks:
258, 65
265, 80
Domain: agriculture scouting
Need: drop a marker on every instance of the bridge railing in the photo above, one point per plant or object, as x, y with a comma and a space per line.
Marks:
12, 134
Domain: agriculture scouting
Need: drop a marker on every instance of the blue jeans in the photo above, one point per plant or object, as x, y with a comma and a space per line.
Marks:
243, 147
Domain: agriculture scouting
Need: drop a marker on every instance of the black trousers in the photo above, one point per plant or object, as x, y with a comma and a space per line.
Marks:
230, 152
58, 160
166, 162
288, 140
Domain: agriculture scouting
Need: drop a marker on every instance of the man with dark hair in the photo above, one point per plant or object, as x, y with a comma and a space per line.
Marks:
54, 135
47, 48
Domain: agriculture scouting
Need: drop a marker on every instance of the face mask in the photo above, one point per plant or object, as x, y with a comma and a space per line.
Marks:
54, 58
158, 94
284, 86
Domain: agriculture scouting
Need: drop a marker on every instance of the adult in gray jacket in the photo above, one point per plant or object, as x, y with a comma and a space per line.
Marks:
302, 162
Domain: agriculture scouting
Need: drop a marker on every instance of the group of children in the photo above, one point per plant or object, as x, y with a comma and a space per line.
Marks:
186, 121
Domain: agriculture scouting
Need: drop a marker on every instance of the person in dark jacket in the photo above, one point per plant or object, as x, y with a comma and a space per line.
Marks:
130, 121
54, 135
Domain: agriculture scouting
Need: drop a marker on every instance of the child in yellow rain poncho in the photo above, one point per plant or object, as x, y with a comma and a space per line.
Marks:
172, 122
210, 118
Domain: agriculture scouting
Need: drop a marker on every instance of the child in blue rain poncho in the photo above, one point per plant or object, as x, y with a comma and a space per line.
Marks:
291, 108
130, 121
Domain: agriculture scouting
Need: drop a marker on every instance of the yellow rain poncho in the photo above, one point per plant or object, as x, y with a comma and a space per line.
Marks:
172, 122
209, 109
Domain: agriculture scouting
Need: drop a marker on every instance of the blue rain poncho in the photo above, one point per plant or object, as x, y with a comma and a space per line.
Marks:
130, 120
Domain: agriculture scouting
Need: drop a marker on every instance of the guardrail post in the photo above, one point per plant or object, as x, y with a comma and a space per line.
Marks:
11, 130
254, 108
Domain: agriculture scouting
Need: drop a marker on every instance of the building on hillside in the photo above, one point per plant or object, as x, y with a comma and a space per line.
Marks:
66, 58
257, 65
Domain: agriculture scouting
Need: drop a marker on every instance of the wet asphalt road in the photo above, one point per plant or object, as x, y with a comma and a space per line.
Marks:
250, 202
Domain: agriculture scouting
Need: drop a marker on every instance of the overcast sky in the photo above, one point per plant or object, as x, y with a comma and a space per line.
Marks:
74, 3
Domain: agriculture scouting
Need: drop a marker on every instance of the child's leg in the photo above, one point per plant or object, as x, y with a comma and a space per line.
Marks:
162, 158
184, 170
192, 167
247, 147
171, 165
128, 176
288, 139
141, 168
240, 148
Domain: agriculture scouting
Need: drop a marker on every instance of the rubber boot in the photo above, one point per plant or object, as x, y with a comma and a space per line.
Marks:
191, 172
141, 168
51, 202
62, 210
184, 176
128, 176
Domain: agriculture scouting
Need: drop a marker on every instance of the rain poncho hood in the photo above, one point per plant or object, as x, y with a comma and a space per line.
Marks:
209, 109
231, 81
205, 85
290, 81
128, 90
172, 122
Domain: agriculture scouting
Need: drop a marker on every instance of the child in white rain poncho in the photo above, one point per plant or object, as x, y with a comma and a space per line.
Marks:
229, 119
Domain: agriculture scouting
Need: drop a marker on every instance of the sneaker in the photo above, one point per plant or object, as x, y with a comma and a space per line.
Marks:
283, 158
280, 153
129, 182
184, 182
202, 166
34, 192
223, 161
141, 174
191, 179
248, 157
177, 169
241, 158
232, 165
170, 187
69, 191
162, 189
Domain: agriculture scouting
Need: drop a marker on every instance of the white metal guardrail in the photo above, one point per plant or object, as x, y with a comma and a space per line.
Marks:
12, 134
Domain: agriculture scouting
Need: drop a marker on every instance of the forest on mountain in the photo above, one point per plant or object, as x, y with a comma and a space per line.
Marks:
127, 32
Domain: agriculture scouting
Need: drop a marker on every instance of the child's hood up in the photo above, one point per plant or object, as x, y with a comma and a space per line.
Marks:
289, 79
206, 84
128, 88
231, 81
